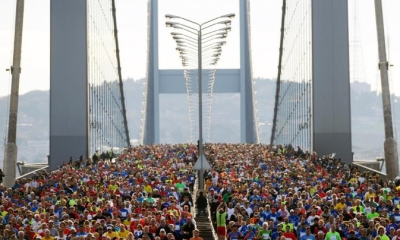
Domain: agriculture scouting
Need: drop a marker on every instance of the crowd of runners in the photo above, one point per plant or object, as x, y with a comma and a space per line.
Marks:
285, 193
254, 191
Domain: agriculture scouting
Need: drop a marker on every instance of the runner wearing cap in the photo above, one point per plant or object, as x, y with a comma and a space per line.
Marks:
110, 233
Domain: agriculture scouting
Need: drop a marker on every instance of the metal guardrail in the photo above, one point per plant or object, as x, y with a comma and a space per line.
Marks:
33, 164
210, 219
45, 166
194, 197
33, 172
363, 168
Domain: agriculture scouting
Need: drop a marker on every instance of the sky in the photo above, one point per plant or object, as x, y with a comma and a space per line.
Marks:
132, 23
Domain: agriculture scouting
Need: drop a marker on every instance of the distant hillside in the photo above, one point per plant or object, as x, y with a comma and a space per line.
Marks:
33, 126
33, 119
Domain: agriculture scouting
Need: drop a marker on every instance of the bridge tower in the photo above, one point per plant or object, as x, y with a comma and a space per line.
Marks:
313, 94
331, 79
87, 110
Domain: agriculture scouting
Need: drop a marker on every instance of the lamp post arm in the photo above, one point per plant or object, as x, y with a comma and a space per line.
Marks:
223, 16
195, 54
182, 34
210, 48
184, 44
186, 39
185, 19
186, 55
185, 48
212, 39
185, 28
224, 22
188, 59
215, 44
225, 29
215, 36
231, 15
189, 56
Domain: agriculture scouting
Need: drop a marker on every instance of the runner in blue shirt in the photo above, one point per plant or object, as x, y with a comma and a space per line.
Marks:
308, 235
235, 235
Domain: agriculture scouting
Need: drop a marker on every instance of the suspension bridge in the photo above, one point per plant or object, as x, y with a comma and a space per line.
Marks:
88, 113
308, 113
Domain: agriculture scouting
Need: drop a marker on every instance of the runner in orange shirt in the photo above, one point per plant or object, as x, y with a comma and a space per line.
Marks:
196, 235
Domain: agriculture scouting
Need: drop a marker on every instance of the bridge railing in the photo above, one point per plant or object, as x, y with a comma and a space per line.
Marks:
194, 197
46, 167
364, 168
30, 174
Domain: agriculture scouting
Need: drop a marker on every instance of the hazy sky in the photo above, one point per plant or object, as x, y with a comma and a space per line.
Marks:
132, 22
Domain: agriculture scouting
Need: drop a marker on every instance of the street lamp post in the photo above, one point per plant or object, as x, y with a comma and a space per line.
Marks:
183, 38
